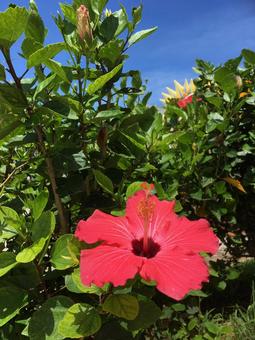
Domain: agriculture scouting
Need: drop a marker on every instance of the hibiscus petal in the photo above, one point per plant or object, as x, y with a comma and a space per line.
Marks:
105, 264
175, 272
104, 227
162, 213
191, 236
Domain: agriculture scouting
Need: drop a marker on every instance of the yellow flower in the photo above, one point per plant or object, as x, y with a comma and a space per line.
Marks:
181, 91
107, 12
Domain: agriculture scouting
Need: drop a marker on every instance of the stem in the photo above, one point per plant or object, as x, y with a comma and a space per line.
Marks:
48, 160
42, 282
52, 176
6, 53
86, 75
11, 174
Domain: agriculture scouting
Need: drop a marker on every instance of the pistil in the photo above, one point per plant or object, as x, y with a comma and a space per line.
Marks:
145, 210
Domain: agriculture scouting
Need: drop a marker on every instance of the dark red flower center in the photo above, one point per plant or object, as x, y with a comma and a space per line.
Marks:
152, 250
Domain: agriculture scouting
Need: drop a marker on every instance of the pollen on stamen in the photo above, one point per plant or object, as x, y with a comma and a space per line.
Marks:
145, 209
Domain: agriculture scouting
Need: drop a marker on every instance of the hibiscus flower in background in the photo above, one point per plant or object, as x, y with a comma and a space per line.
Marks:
150, 240
183, 94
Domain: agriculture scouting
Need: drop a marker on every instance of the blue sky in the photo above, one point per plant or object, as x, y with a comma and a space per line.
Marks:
212, 30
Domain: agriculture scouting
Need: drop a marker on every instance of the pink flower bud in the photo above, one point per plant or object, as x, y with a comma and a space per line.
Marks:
83, 24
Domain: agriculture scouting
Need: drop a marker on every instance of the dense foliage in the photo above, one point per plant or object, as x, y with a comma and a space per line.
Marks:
81, 135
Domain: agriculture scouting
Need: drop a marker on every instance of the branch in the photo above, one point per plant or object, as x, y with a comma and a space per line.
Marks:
39, 132
52, 176
11, 174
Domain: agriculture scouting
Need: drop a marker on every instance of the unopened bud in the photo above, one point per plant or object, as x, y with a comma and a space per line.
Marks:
239, 82
102, 138
83, 24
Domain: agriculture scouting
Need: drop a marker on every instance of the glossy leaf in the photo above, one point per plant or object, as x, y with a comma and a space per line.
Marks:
30, 253
133, 188
12, 24
64, 252
44, 226
7, 262
148, 314
123, 306
35, 28
102, 80
45, 53
10, 223
12, 300
45, 321
39, 204
249, 56
140, 35
79, 321
104, 181
73, 284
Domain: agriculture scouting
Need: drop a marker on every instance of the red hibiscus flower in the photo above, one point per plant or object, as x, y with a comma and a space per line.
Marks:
185, 101
150, 240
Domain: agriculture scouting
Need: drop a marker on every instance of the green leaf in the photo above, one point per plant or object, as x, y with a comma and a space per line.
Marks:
220, 187
197, 293
35, 29
30, 46
222, 285
43, 54
249, 56
148, 314
133, 188
134, 141
102, 80
10, 223
111, 51
137, 14
73, 284
45, 321
65, 251
42, 229
98, 6
2, 72
122, 305
216, 101
108, 114
43, 226
24, 276
69, 13
211, 327
8, 126
7, 262
141, 35
178, 307
57, 68
233, 274
109, 27
12, 299
12, 97
179, 112
104, 181
79, 321
45, 84
122, 19
12, 24
39, 204
226, 78
29, 254
192, 324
